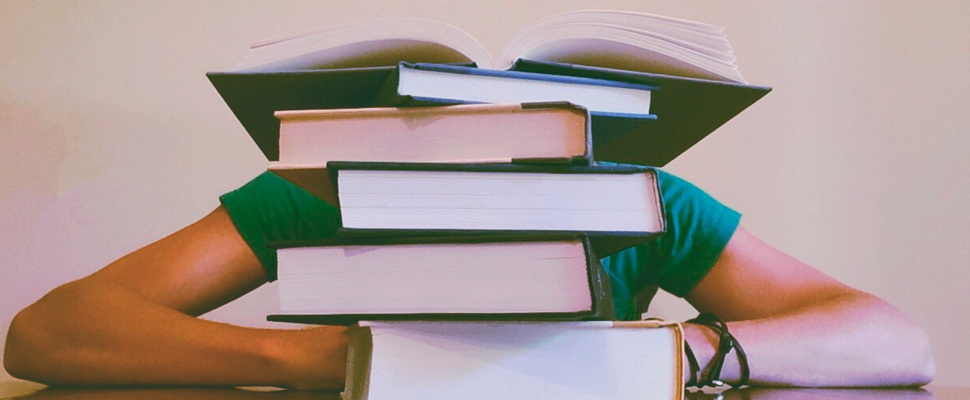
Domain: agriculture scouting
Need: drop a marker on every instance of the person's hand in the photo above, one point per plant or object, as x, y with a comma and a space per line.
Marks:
703, 342
312, 358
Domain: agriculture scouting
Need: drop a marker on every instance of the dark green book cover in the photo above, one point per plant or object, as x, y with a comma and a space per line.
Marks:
687, 109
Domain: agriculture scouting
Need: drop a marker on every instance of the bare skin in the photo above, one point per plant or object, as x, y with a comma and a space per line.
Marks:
134, 323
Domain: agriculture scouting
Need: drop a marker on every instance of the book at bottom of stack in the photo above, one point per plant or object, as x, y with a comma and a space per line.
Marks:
515, 360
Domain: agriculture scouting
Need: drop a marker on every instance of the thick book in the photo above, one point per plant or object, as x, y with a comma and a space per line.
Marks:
430, 84
618, 206
348, 67
488, 133
339, 282
588, 360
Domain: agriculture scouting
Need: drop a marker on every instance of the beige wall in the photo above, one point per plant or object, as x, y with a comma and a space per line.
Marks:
111, 137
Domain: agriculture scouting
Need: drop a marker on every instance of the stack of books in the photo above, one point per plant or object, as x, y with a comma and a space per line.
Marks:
477, 197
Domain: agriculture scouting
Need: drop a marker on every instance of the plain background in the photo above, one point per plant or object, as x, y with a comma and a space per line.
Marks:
111, 137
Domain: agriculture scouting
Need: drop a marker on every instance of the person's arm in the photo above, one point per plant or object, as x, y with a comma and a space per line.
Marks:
133, 322
800, 327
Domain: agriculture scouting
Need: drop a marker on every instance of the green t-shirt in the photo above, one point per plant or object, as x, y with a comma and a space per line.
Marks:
270, 209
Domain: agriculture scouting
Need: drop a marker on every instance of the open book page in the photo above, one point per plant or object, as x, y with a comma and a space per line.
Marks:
609, 39
631, 41
716, 48
695, 33
630, 18
380, 42
617, 53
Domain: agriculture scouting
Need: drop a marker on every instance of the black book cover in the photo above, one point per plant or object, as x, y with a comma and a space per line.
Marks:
600, 287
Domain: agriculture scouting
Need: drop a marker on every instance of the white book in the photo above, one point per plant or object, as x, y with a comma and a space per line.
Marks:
545, 277
603, 360
617, 206
498, 197
459, 133
443, 83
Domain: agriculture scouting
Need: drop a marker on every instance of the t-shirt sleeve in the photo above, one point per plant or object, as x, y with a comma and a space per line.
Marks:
698, 229
270, 209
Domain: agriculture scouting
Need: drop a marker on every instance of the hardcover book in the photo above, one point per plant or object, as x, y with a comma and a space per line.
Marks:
339, 282
617, 206
487, 133
588, 360
691, 65
431, 84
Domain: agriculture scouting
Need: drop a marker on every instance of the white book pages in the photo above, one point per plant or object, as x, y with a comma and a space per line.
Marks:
624, 50
568, 361
657, 40
492, 89
464, 133
370, 43
687, 33
716, 48
522, 277
498, 201
629, 18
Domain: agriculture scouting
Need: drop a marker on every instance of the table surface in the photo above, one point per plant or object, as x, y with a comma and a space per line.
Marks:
29, 390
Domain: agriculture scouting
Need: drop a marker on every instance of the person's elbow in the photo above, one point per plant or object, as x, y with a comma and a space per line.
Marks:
924, 366
37, 335
905, 348
19, 347
916, 364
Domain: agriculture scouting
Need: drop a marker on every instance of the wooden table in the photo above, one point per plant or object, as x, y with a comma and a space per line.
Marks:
33, 391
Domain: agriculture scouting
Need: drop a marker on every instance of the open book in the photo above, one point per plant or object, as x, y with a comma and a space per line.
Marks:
691, 66
607, 39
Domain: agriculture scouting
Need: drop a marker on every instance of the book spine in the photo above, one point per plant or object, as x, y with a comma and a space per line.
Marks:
387, 95
600, 286
490, 168
360, 347
587, 158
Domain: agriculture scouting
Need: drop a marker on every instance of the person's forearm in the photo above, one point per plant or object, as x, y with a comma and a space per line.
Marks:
849, 340
108, 335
